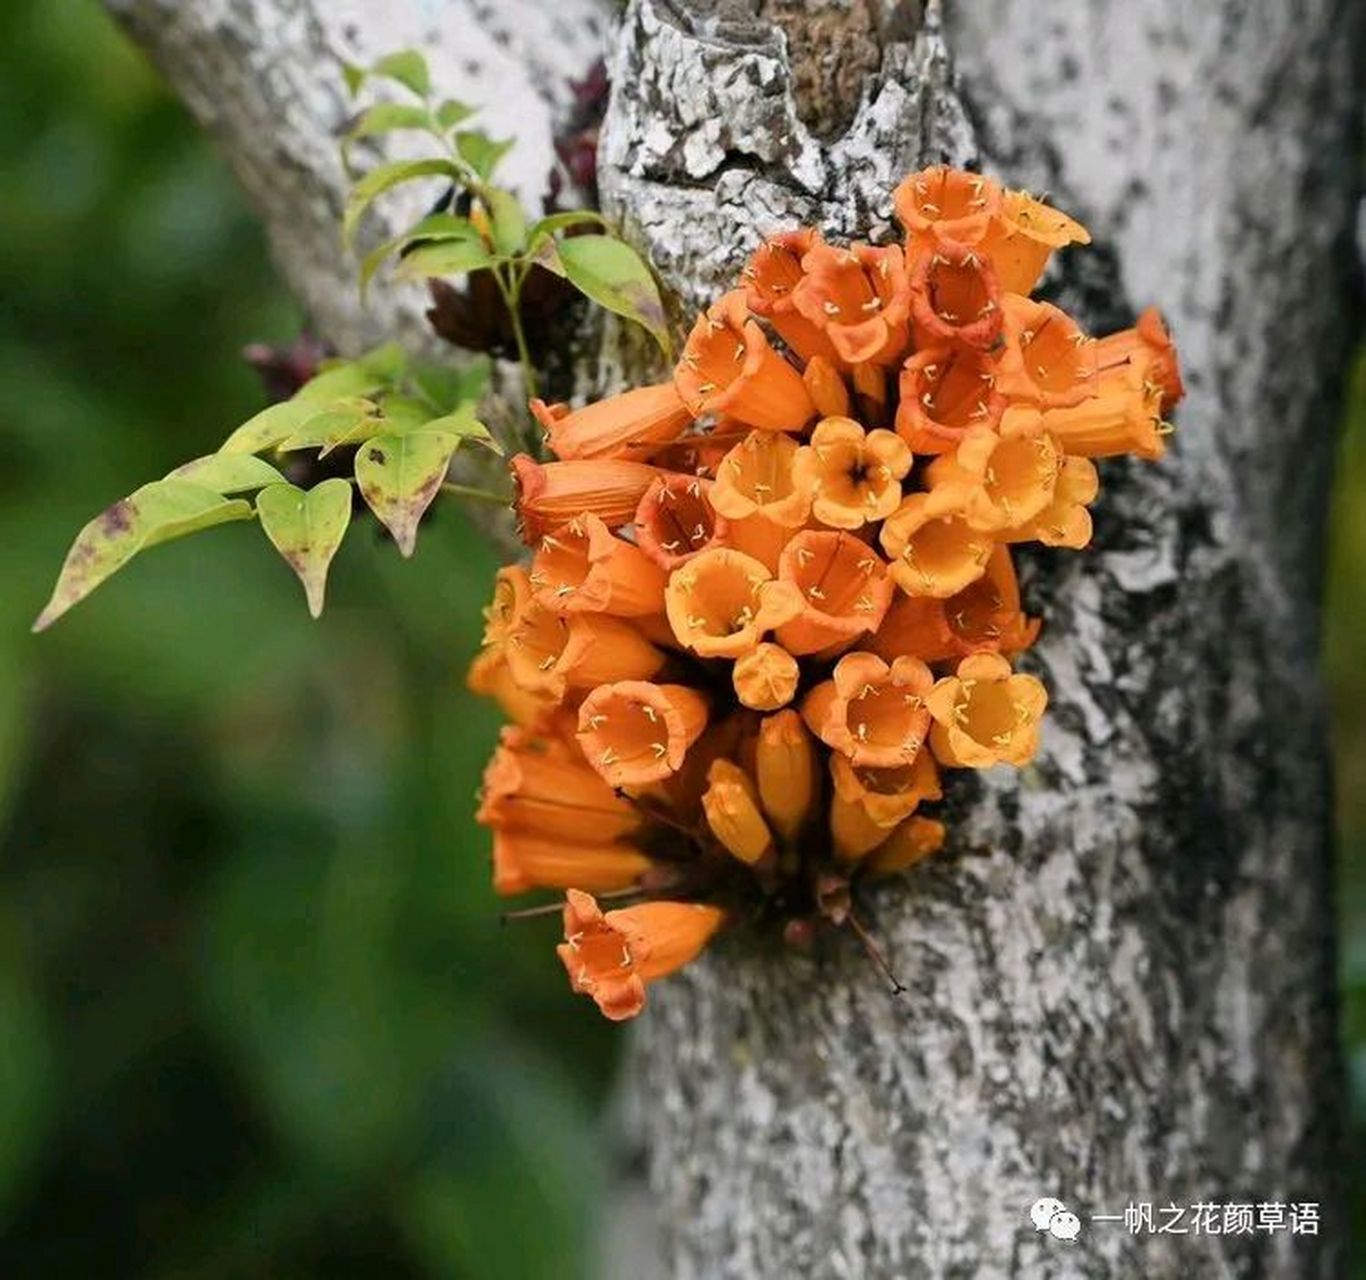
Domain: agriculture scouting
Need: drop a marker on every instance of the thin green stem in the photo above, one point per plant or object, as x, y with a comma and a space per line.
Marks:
474, 494
512, 297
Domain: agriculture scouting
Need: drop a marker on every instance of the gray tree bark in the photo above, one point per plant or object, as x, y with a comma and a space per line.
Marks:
1121, 973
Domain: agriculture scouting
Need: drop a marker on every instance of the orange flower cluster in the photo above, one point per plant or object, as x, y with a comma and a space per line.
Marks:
770, 599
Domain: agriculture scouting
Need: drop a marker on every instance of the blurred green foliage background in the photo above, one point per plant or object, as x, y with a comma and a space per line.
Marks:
257, 1016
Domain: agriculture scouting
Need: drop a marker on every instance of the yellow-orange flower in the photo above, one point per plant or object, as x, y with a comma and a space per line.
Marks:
731, 805
913, 841
766, 677
613, 955
1048, 361
729, 367
774, 271
584, 568
1009, 478
723, 602
550, 494
853, 476
986, 714
985, 615
955, 298
629, 425
859, 298
872, 711
941, 203
945, 392
490, 677
1065, 522
1123, 416
1023, 236
633, 732
869, 802
933, 548
841, 589
759, 492
675, 521
552, 652
1150, 343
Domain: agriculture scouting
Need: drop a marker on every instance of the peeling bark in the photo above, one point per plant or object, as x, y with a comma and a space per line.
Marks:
1120, 977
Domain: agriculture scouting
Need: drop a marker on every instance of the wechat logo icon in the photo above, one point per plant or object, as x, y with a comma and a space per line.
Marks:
1056, 1218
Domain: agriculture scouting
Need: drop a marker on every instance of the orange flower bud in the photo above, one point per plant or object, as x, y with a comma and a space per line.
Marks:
945, 204
841, 587
859, 297
853, 476
675, 521
1022, 237
732, 809
758, 492
1009, 478
723, 602
1065, 522
774, 271
933, 548
986, 714
584, 568
955, 298
612, 956
945, 392
728, 367
553, 653
634, 733
828, 390
525, 859
1048, 361
765, 678
871, 711
785, 766
913, 841
550, 494
985, 615
627, 425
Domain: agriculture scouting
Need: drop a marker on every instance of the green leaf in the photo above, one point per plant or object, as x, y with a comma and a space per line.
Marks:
269, 427
408, 67
443, 258
156, 513
614, 275
228, 473
381, 179
465, 426
405, 413
446, 387
354, 76
509, 222
557, 222
399, 475
481, 152
307, 527
451, 113
389, 117
374, 371
436, 227
347, 421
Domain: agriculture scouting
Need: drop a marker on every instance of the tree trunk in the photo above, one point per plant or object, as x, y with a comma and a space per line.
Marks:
1120, 976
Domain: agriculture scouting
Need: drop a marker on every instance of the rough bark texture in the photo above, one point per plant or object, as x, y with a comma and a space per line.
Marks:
1120, 978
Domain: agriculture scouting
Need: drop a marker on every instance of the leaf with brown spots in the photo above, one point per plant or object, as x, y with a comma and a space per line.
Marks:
399, 475
306, 526
157, 512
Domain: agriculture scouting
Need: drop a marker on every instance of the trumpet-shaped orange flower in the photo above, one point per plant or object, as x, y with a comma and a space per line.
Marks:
1150, 345
773, 273
853, 476
584, 568
675, 521
1048, 361
634, 733
945, 204
1065, 522
551, 494
627, 425
913, 841
552, 653
841, 587
786, 769
722, 603
511, 598
760, 493
859, 297
986, 714
1009, 477
985, 615
872, 711
945, 392
766, 677
490, 677
612, 956
731, 805
868, 803
955, 298
933, 547
1023, 236
1124, 416
729, 367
